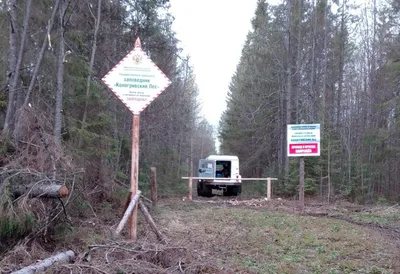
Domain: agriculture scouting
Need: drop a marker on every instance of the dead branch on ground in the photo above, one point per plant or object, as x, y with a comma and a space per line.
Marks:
46, 263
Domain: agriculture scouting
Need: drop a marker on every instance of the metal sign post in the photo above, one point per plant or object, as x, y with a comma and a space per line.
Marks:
136, 81
301, 184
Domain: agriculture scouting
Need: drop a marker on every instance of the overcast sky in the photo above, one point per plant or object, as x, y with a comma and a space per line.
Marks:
212, 33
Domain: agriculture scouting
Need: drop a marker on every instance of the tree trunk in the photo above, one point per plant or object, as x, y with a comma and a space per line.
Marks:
324, 78
282, 138
42, 191
153, 182
191, 155
325, 68
12, 65
288, 82
41, 54
60, 82
89, 78
329, 171
298, 71
341, 67
312, 81
20, 94
178, 170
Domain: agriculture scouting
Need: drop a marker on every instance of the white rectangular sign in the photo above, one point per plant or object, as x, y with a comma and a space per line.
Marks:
303, 140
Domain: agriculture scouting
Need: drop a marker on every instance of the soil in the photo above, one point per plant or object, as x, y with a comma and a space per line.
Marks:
341, 210
99, 251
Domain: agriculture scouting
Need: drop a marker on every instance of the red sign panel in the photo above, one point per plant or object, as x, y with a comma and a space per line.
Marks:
305, 148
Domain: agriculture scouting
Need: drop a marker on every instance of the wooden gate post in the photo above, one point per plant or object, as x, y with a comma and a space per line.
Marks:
153, 182
190, 186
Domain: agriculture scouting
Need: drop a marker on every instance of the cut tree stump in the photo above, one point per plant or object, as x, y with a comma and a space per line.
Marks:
43, 265
42, 191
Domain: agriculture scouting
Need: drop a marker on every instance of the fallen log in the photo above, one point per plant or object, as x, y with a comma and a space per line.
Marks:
150, 220
42, 191
67, 256
128, 212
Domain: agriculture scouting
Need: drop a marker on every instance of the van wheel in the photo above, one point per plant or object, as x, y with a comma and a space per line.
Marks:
207, 190
200, 189
236, 190
204, 190
228, 191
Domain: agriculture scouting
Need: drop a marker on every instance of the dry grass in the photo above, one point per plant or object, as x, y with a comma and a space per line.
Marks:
249, 241
29, 160
218, 237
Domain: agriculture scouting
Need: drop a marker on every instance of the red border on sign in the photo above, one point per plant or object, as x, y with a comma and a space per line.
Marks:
151, 62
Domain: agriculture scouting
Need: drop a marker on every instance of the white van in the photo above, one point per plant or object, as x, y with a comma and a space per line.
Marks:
219, 166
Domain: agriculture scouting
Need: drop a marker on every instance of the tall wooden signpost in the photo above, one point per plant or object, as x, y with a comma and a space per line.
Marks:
136, 81
303, 140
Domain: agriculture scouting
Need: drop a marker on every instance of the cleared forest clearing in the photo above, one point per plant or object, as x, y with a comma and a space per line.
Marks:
221, 235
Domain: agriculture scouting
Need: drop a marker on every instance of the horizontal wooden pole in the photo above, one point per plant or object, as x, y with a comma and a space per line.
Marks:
231, 179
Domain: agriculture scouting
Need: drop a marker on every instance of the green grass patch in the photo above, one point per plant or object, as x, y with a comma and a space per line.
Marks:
13, 229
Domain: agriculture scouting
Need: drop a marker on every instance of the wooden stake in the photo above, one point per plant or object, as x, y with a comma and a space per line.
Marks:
269, 188
127, 202
134, 172
301, 184
128, 212
151, 222
153, 182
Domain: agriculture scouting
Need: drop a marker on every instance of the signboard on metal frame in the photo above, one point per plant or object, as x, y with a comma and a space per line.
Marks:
303, 140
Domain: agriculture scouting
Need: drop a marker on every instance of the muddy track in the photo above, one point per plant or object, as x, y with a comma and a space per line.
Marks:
394, 231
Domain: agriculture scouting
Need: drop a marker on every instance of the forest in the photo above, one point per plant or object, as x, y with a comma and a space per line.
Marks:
334, 63
331, 62
60, 124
